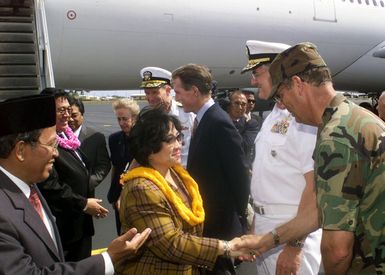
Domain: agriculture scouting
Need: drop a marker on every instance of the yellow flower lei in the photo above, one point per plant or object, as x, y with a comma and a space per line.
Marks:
194, 217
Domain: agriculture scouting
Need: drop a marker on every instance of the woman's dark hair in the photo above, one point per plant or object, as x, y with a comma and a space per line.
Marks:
56, 92
77, 102
148, 133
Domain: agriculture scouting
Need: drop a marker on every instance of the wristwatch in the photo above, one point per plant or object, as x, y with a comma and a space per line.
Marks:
296, 243
226, 249
276, 239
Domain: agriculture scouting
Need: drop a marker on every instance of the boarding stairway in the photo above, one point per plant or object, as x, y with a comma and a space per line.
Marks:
25, 67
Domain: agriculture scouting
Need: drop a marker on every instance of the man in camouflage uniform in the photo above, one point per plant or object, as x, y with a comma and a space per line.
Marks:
381, 106
349, 167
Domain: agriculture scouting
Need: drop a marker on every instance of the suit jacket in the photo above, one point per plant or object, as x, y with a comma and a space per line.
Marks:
217, 163
120, 156
174, 246
66, 191
93, 145
25, 244
248, 131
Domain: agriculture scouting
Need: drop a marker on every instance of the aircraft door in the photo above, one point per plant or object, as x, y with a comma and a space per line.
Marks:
324, 10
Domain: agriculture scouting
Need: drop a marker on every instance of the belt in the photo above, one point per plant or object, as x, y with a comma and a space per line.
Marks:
275, 209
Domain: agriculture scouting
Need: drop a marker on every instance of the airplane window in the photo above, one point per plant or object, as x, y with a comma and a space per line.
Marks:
382, 3
375, 3
367, 2
351, 1
359, 2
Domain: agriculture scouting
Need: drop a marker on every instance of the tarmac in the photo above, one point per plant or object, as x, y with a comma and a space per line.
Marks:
100, 116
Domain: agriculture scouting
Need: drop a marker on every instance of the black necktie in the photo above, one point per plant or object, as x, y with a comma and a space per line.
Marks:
195, 126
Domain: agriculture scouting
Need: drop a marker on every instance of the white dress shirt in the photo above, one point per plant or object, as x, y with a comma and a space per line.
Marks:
187, 121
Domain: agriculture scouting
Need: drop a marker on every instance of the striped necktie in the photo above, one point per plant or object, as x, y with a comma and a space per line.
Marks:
35, 201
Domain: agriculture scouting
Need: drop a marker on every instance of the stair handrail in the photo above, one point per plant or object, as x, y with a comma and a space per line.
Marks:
46, 67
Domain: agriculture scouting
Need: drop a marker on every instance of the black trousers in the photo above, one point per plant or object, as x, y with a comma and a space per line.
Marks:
223, 266
78, 250
117, 221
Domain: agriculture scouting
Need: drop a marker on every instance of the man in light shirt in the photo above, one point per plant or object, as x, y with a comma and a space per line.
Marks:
282, 182
156, 83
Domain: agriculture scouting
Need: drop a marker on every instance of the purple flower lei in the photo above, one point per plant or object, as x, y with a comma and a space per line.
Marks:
71, 143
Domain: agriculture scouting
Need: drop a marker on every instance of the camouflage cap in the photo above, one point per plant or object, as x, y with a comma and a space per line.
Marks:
295, 60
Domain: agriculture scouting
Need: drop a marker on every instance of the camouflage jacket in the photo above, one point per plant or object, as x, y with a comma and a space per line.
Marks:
350, 178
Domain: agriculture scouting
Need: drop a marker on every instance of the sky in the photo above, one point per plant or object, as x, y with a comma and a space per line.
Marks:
125, 93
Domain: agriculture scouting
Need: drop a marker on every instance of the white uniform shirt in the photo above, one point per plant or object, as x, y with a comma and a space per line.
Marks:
281, 159
187, 122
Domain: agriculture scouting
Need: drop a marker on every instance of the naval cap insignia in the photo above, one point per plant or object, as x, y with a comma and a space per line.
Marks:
147, 75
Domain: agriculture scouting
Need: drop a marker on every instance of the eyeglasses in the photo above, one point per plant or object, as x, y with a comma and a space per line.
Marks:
251, 101
284, 84
62, 110
238, 103
277, 98
171, 138
53, 146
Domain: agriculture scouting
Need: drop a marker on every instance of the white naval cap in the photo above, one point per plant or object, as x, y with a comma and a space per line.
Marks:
262, 52
153, 77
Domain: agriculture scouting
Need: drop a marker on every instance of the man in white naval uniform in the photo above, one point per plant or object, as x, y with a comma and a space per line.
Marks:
156, 83
282, 181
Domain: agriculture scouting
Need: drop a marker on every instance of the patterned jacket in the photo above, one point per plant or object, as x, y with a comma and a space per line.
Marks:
174, 246
350, 178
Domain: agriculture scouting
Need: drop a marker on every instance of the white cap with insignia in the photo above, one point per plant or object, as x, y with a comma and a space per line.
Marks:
154, 77
262, 52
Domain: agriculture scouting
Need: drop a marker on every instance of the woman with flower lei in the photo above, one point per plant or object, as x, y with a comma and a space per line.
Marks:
161, 195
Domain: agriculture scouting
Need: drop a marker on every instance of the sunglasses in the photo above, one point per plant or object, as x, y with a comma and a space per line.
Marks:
172, 139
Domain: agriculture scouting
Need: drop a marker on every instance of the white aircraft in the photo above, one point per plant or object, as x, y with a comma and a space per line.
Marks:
103, 44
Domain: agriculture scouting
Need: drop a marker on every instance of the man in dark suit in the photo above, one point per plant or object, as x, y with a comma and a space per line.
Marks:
67, 190
92, 144
216, 159
247, 127
29, 239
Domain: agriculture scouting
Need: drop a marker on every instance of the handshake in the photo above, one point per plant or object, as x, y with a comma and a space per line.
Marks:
247, 247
